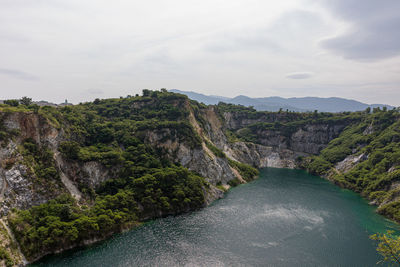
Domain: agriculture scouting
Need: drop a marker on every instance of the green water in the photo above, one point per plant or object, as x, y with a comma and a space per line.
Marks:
285, 218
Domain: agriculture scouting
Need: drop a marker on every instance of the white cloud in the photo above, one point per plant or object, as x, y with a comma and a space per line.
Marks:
299, 75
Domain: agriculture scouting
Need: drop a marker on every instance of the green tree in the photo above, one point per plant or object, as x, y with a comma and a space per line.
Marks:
70, 149
388, 246
146, 92
25, 101
12, 102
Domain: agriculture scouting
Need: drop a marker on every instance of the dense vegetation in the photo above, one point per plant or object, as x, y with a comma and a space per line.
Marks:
375, 142
146, 183
62, 223
5, 256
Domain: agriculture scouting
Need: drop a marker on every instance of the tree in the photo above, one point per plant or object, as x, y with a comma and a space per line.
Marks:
388, 246
12, 102
70, 149
35, 108
146, 92
25, 101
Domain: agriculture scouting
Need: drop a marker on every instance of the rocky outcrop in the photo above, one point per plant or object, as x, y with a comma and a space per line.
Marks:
34, 126
274, 148
313, 138
238, 120
198, 159
19, 187
349, 162
263, 156
310, 139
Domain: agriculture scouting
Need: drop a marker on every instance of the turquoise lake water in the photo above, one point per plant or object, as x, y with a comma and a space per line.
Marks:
284, 218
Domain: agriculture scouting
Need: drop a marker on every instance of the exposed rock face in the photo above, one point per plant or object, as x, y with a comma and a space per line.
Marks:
275, 149
349, 162
311, 139
263, 156
30, 125
19, 187
314, 137
16, 190
214, 169
94, 173
197, 159
237, 120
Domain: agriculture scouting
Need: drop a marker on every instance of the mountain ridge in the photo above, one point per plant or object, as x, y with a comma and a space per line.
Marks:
275, 103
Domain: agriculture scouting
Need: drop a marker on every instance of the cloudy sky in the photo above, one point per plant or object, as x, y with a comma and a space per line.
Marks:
81, 50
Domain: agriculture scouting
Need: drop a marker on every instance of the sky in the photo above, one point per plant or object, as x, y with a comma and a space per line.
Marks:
81, 50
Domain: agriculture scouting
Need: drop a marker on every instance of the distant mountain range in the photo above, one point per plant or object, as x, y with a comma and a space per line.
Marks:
274, 103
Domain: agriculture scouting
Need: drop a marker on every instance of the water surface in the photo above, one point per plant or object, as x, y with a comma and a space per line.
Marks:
285, 218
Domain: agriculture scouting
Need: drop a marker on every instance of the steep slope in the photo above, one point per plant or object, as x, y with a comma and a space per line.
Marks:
73, 175
78, 174
366, 158
280, 139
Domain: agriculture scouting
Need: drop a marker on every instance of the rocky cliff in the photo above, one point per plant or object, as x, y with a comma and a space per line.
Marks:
116, 148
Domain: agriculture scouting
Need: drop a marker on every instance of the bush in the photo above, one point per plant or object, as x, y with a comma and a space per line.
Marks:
319, 166
246, 171
12, 102
216, 151
70, 149
4, 255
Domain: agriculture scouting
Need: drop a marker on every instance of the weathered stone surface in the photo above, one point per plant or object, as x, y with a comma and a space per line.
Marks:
349, 162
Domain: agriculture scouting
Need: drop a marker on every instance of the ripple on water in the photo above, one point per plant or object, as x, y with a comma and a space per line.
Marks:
285, 218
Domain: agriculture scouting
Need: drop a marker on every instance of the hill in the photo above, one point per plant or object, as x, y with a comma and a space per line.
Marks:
72, 175
300, 104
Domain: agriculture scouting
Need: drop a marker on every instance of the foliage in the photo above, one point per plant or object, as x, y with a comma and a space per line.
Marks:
4, 255
25, 101
61, 223
319, 166
234, 182
246, 171
215, 150
12, 102
375, 142
41, 159
5, 133
70, 149
118, 133
388, 246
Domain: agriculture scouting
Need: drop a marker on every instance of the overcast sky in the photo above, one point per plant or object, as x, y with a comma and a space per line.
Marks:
81, 50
